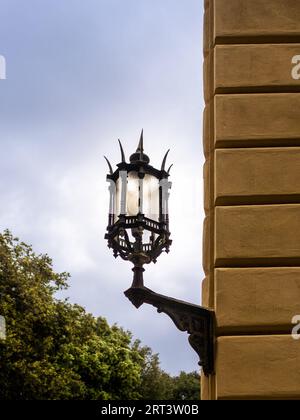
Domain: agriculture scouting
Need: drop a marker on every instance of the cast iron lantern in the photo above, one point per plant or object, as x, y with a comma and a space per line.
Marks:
138, 226
138, 231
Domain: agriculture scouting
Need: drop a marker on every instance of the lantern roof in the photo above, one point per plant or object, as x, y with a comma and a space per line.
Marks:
139, 161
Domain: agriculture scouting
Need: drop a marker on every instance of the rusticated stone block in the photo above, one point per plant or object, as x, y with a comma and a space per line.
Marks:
207, 27
207, 86
258, 367
207, 388
207, 134
256, 18
256, 300
257, 119
206, 292
207, 181
253, 176
255, 67
206, 245
257, 235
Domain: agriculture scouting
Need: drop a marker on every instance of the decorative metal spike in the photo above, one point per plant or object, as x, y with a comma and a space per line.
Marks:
140, 148
109, 165
163, 166
170, 168
122, 152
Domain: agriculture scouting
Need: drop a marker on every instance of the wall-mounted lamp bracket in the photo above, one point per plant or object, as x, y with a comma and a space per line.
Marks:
197, 321
141, 238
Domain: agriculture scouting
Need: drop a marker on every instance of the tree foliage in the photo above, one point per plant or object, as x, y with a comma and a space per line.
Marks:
55, 350
187, 386
158, 385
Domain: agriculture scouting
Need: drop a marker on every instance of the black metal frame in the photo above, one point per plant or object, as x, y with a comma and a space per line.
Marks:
118, 239
197, 321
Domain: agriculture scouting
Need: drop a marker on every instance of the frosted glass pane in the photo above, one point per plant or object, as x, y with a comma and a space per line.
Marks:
133, 194
151, 197
118, 199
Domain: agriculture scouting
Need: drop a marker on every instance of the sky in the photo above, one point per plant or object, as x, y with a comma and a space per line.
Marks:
80, 75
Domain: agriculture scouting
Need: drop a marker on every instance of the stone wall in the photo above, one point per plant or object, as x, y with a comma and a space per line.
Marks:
252, 196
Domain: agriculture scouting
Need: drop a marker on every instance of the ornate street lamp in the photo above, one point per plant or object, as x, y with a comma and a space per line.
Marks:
138, 231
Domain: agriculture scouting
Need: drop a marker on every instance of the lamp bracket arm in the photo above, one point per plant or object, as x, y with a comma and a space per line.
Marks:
197, 321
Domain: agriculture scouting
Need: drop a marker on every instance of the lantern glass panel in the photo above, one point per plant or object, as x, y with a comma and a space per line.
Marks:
151, 197
117, 204
133, 194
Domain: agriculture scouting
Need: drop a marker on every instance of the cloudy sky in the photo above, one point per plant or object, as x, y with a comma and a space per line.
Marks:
80, 75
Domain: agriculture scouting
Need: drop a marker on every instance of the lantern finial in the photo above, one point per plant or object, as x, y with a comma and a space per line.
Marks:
139, 156
140, 148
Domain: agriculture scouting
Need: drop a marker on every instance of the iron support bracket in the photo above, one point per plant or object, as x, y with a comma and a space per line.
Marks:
197, 321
